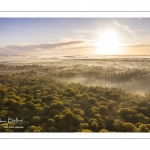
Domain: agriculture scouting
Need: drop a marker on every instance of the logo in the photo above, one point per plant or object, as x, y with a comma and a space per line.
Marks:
10, 120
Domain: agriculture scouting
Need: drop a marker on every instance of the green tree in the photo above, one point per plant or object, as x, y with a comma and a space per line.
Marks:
94, 126
128, 127
51, 122
143, 128
36, 120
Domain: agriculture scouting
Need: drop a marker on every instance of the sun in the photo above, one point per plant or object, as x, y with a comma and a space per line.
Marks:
108, 43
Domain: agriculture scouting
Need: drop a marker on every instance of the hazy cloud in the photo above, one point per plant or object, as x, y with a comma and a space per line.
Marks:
142, 45
126, 28
39, 47
22, 29
54, 45
84, 31
142, 30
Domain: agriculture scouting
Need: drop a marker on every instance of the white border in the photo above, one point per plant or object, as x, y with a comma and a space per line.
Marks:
74, 5
48, 135
98, 135
49, 14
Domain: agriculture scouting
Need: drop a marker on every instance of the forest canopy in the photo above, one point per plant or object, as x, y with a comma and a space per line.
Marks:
47, 104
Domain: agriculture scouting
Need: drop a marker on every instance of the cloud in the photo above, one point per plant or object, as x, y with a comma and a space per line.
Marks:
126, 28
142, 30
84, 31
40, 48
141, 45
22, 29
44, 45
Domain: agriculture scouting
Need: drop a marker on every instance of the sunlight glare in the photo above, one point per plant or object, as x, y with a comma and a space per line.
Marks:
108, 43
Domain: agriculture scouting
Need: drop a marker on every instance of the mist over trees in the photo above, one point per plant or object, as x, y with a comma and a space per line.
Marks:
74, 94
47, 104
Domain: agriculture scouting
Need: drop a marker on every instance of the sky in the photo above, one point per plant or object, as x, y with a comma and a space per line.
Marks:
75, 36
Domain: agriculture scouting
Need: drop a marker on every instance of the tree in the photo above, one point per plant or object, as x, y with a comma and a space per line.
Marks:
33, 129
117, 125
128, 127
29, 105
126, 113
84, 126
53, 112
92, 100
94, 126
69, 117
36, 120
103, 110
109, 120
86, 130
40, 111
111, 105
103, 130
143, 128
78, 119
51, 122
78, 111
9, 102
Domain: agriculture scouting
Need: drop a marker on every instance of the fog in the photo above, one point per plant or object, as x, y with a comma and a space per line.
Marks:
130, 73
